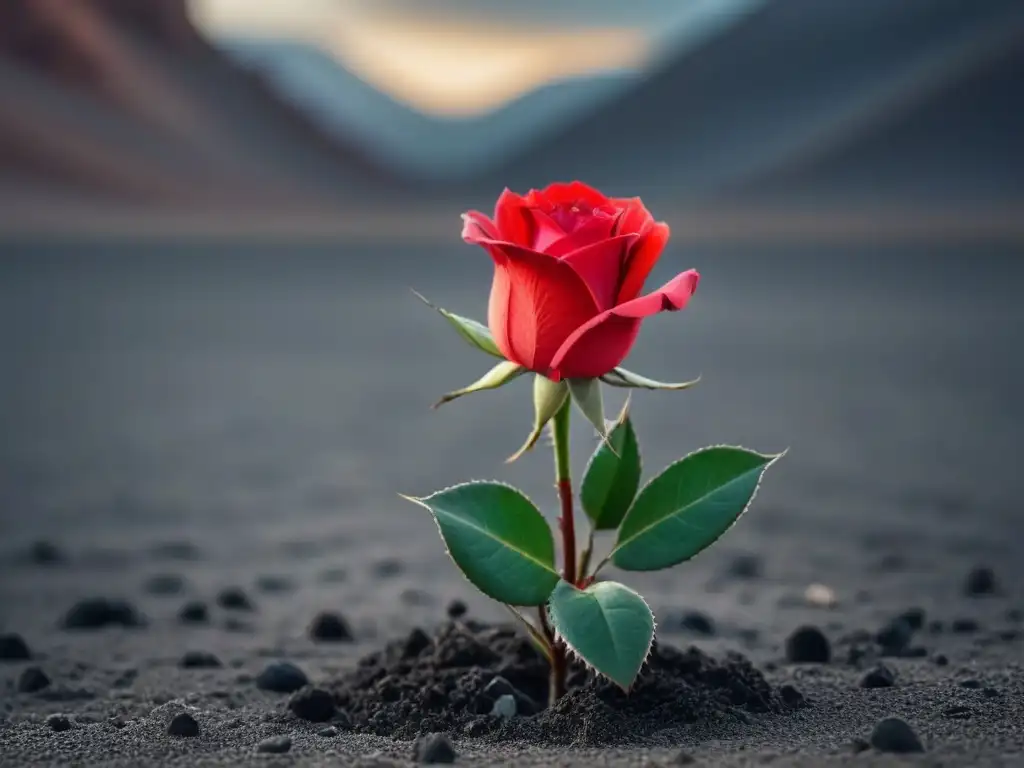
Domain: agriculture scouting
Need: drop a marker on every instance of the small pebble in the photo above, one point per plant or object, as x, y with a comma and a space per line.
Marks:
990, 693
44, 552
895, 636
859, 745
958, 712
330, 627
13, 648
234, 599
313, 704
412, 596
328, 733
59, 723
32, 680
434, 748
504, 706
1015, 615
914, 617
879, 677
456, 609
272, 584
684, 758
941, 660
745, 566
98, 612
199, 660
387, 568
980, 581
964, 626
183, 724
697, 622
791, 696
820, 596
275, 745
417, 642
808, 644
894, 735
194, 612
970, 683
164, 584
281, 677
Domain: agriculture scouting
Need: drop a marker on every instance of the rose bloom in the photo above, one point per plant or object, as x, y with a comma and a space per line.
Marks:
569, 267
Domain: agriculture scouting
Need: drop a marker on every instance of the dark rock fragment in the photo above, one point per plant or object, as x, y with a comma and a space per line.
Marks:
234, 599
879, 677
980, 581
281, 677
184, 725
808, 644
199, 660
14, 648
99, 612
32, 680
194, 612
894, 735
313, 704
434, 748
330, 628
275, 745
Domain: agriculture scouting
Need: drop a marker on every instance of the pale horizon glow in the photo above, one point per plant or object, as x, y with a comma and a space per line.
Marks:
446, 68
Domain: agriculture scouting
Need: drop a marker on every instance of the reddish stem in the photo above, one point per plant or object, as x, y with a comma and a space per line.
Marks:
568, 527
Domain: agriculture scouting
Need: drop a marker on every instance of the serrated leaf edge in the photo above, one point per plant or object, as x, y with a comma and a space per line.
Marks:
559, 637
421, 501
757, 486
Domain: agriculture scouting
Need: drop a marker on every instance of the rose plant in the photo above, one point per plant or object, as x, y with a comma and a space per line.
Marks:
565, 305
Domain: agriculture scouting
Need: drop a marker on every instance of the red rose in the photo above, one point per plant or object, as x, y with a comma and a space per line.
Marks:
569, 266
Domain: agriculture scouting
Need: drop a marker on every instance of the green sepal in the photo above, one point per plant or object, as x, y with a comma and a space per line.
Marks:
688, 507
497, 538
612, 476
548, 397
620, 377
500, 374
607, 625
586, 394
476, 333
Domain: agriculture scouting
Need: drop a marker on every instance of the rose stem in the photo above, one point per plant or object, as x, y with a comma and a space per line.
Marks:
563, 478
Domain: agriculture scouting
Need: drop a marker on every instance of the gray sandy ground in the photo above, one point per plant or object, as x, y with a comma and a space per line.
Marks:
264, 405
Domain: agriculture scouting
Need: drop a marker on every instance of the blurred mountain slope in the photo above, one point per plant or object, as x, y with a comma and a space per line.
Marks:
126, 99
124, 104
801, 83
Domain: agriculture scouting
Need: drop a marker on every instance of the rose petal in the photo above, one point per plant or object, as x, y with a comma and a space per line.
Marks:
600, 344
635, 218
511, 215
590, 231
641, 260
536, 302
477, 227
571, 192
601, 267
545, 230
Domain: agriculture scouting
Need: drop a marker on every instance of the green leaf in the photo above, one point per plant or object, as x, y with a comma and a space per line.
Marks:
477, 334
498, 539
500, 374
548, 397
620, 377
607, 625
688, 506
586, 393
612, 476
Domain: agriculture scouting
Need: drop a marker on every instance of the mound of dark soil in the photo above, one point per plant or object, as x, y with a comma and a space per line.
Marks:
447, 683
